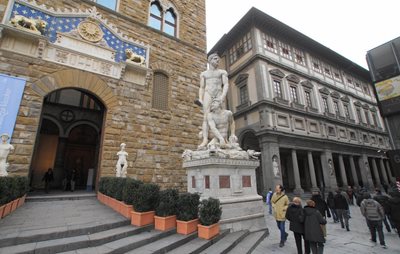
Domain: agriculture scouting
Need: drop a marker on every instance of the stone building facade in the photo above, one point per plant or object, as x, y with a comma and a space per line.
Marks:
311, 112
85, 95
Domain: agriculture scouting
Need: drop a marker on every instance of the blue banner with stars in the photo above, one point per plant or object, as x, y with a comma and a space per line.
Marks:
67, 24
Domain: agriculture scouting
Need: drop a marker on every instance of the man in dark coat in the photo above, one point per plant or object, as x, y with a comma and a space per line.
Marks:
394, 209
295, 215
382, 200
342, 208
312, 228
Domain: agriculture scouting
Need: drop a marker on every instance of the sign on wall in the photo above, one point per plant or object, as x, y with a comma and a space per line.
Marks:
11, 90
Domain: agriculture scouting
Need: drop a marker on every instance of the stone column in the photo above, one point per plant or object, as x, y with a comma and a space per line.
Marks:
391, 178
343, 171
366, 172
328, 170
312, 171
298, 189
384, 175
376, 174
353, 171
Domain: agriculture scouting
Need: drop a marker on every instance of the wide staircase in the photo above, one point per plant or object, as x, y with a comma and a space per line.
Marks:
65, 223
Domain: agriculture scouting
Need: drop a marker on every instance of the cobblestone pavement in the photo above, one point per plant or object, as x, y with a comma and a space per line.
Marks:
338, 240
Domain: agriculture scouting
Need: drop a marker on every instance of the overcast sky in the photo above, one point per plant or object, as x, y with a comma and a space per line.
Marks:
349, 27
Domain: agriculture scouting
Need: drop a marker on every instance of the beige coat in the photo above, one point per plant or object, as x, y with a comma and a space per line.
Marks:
280, 206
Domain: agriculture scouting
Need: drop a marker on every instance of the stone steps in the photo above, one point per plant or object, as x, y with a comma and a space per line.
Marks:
249, 243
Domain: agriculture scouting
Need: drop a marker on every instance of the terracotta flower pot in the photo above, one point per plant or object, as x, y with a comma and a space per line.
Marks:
186, 227
208, 232
125, 210
21, 200
164, 223
7, 210
2, 208
100, 197
14, 204
142, 219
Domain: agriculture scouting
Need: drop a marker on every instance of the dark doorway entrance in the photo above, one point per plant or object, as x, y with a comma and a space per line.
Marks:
68, 139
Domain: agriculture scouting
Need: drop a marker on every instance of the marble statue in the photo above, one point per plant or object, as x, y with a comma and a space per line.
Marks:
122, 163
220, 121
275, 167
331, 169
213, 85
33, 25
5, 149
134, 58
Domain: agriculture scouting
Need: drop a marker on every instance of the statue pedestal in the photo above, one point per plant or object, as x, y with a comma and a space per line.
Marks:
233, 182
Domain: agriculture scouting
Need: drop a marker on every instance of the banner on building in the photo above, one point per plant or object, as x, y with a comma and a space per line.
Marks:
11, 90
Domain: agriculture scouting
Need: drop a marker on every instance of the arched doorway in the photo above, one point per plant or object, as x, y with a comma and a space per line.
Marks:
250, 141
68, 138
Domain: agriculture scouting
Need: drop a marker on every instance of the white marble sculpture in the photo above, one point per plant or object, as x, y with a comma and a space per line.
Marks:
275, 166
122, 163
213, 86
5, 149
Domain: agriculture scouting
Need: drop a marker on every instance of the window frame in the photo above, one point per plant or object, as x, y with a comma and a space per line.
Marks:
294, 95
155, 97
240, 48
325, 104
162, 18
336, 107
277, 85
268, 41
116, 8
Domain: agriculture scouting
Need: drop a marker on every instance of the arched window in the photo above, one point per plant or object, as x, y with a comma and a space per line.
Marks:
111, 4
156, 15
163, 20
160, 91
170, 22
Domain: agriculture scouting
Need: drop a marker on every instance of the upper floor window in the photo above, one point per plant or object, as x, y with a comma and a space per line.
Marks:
366, 116
285, 50
160, 21
299, 56
240, 48
327, 71
269, 43
366, 90
346, 110
325, 104
358, 111
111, 4
277, 88
336, 107
160, 91
74, 97
293, 94
316, 66
244, 94
375, 119
308, 98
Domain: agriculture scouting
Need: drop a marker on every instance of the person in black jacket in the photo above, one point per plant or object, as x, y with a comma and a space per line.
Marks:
394, 209
312, 228
382, 200
48, 178
331, 205
295, 215
342, 208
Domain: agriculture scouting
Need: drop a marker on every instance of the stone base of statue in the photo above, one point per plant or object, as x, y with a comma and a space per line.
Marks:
233, 181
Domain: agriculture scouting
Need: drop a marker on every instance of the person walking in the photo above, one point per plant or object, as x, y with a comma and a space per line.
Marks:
313, 232
350, 194
373, 213
48, 178
331, 205
321, 206
383, 200
295, 215
73, 179
394, 209
268, 200
342, 208
280, 204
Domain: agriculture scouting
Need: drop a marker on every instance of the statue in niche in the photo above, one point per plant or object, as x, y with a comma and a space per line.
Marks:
213, 87
331, 169
122, 163
30, 24
5, 149
132, 57
275, 166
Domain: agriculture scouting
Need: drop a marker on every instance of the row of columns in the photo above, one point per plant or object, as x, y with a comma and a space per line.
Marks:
330, 177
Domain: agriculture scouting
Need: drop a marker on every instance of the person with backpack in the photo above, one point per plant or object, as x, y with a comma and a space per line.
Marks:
313, 232
268, 200
373, 213
280, 204
331, 205
394, 209
295, 215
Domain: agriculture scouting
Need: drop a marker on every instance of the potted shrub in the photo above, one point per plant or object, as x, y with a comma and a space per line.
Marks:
145, 200
187, 213
23, 188
6, 194
127, 196
165, 218
209, 215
